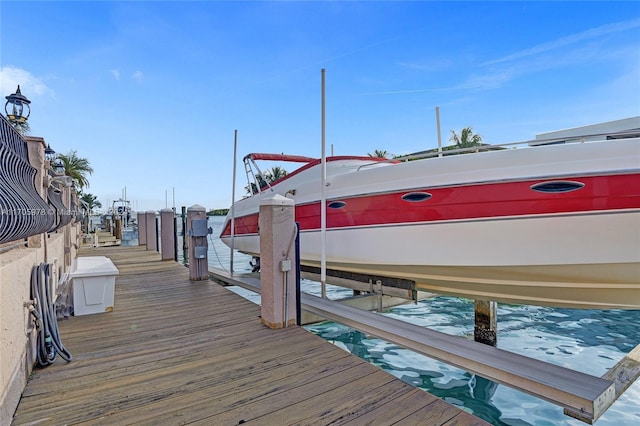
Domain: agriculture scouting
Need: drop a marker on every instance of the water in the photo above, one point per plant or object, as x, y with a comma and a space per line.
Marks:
591, 341
588, 341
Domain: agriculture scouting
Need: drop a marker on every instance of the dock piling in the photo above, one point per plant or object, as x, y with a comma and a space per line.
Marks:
277, 261
117, 227
142, 229
486, 322
197, 231
151, 231
167, 242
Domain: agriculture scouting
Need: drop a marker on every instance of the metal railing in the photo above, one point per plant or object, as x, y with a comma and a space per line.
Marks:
23, 212
447, 151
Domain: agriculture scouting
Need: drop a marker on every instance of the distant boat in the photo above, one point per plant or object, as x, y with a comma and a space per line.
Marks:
121, 209
550, 223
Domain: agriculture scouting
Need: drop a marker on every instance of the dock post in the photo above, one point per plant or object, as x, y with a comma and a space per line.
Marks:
185, 240
167, 234
142, 229
486, 323
117, 227
277, 261
175, 235
197, 230
150, 219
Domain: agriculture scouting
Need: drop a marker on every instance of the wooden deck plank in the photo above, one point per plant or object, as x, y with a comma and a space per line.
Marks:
438, 413
398, 408
136, 391
339, 404
245, 388
244, 404
176, 351
109, 372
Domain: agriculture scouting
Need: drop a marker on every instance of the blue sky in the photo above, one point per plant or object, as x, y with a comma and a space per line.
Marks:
151, 92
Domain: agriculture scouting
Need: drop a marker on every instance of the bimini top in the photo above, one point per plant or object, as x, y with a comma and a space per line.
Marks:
279, 157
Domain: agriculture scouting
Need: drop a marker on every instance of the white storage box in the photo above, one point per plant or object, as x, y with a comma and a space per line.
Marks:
94, 280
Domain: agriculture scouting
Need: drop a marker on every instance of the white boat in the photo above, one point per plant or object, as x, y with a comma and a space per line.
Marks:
553, 224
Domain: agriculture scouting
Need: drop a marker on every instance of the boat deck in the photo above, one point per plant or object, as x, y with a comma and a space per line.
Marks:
180, 352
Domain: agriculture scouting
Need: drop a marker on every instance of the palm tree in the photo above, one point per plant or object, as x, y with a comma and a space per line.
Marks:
91, 202
77, 168
265, 179
21, 127
274, 174
466, 139
379, 153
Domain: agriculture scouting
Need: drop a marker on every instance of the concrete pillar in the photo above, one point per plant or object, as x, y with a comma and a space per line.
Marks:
277, 261
66, 200
486, 322
35, 151
167, 242
150, 218
197, 232
142, 228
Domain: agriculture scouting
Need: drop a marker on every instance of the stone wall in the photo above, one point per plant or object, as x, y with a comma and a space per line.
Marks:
17, 328
17, 259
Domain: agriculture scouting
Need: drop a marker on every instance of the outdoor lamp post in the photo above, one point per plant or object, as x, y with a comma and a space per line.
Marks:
17, 101
58, 167
49, 154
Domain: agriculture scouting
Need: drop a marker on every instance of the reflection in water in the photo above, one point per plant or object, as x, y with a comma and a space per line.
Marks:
467, 391
589, 341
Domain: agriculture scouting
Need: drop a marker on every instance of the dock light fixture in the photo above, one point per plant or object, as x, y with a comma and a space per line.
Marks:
49, 154
17, 101
58, 167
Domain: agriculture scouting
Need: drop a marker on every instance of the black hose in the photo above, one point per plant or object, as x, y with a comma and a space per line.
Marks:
49, 344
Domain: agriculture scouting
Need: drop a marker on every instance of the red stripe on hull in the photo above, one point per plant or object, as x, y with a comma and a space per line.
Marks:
600, 193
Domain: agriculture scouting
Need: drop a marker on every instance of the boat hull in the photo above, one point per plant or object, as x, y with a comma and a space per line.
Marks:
557, 226
499, 262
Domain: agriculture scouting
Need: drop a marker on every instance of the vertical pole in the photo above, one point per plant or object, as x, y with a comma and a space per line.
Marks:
233, 200
439, 135
198, 267
151, 231
277, 261
298, 305
142, 229
486, 323
167, 231
185, 244
175, 235
323, 198
126, 209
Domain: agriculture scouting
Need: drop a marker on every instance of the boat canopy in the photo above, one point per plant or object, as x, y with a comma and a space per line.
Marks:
279, 157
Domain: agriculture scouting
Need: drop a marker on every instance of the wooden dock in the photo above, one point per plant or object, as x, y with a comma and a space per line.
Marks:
180, 352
